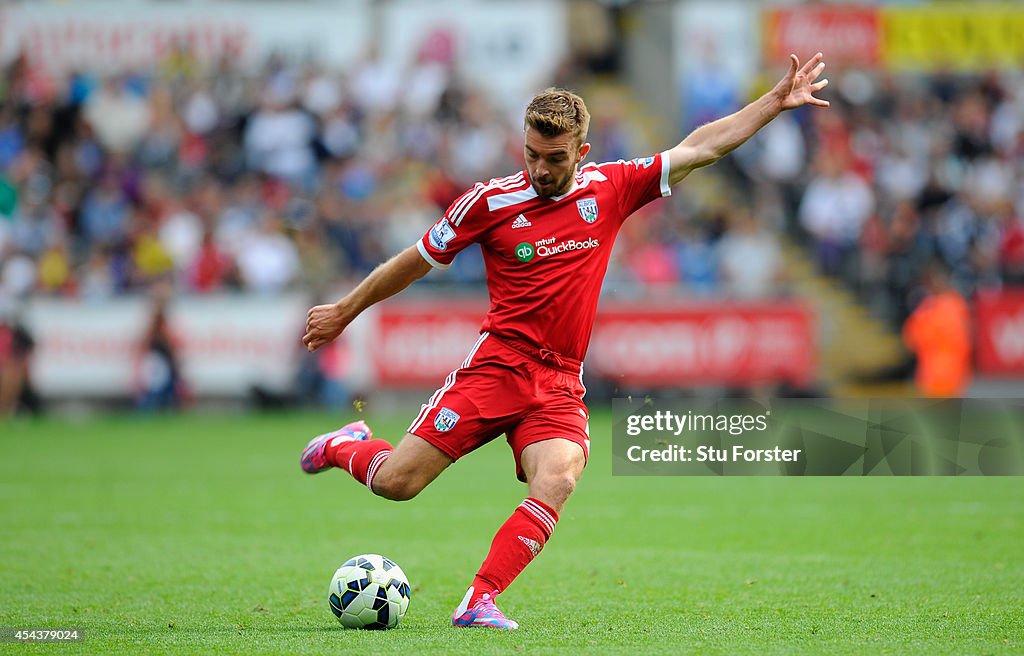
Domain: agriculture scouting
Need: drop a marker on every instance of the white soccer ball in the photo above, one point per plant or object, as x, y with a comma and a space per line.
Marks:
369, 592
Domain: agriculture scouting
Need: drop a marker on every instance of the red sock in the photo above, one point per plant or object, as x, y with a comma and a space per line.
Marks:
517, 542
361, 458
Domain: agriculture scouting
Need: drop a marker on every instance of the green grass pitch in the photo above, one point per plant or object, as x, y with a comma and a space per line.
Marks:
199, 534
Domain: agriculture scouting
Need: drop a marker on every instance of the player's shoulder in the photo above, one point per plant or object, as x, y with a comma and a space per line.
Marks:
508, 184
622, 164
478, 199
618, 172
505, 184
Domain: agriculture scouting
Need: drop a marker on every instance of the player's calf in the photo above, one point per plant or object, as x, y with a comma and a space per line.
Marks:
394, 488
413, 465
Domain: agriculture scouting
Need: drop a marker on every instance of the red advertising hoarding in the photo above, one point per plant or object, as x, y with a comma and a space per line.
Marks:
999, 322
417, 343
712, 344
682, 344
229, 344
846, 34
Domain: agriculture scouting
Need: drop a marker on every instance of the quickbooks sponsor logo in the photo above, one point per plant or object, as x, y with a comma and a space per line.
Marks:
525, 252
565, 246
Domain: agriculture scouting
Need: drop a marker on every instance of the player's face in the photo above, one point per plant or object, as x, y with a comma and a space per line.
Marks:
551, 161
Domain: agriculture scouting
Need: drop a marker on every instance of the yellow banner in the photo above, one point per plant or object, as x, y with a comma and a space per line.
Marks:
957, 38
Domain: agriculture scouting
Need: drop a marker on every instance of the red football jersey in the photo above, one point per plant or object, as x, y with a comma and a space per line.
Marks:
546, 257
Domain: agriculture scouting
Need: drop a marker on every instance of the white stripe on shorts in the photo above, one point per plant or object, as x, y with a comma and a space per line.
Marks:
449, 382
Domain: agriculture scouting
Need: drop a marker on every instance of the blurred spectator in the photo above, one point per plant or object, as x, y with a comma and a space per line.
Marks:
1011, 243
783, 154
160, 385
835, 207
55, 270
279, 136
322, 377
939, 333
199, 110
268, 261
118, 115
654, 265
17, 277
750, 259
104, 213
97, 278
211, 269
376, 84
707, 94
16, 389
477, 145
181, 235
697, 257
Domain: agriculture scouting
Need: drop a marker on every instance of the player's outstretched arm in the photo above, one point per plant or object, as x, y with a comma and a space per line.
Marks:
709, 143
325, 322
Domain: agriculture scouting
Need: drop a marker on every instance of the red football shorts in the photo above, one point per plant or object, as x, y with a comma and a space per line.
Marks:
505, 387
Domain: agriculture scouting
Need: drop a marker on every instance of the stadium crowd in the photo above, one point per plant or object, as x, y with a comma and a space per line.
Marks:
902, 174
219, 180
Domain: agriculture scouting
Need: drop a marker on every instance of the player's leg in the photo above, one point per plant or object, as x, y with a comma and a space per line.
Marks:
552, 468
413, 465
551, 446
401, 473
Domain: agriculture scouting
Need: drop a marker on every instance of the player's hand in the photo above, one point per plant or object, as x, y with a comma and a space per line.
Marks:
323, 324
799, 85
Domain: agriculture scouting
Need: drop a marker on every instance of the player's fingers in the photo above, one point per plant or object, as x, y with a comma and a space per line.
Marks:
818, 86
819, 102
794, 64
816, 71
812, 62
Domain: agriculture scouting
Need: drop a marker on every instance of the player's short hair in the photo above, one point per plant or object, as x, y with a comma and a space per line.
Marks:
554, 112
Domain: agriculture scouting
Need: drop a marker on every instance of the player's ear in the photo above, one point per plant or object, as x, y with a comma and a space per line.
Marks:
584, 149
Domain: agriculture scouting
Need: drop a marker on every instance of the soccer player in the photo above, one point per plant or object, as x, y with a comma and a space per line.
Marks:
546, 233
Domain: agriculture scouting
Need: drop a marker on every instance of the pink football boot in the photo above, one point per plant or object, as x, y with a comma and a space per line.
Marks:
313, 459
483, 613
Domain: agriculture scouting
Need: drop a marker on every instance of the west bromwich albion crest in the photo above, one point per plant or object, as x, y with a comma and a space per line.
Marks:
588, 209
445, 419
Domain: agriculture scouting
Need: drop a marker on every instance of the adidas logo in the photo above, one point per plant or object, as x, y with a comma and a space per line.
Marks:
532, 544
521, 222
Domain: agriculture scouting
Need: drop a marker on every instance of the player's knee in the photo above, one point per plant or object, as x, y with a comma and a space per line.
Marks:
395, 488
555, 488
